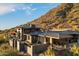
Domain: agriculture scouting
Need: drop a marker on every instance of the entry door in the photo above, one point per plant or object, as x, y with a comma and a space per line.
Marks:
78, 40
47, 40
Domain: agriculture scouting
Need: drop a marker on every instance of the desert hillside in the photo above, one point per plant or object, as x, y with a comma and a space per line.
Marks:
64, 16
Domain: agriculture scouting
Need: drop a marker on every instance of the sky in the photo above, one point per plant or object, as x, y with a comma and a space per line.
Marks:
13, 14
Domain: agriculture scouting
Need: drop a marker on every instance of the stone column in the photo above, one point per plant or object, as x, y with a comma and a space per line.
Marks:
18, 45
30, 39
44, 40
27, 37
51, 40
14, 43
11, 42
30, 50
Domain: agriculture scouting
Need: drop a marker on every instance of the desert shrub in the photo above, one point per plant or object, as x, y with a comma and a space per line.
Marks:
2, 41
74, 50
61, 13
48, 52
6, 50
69, 21
3, 38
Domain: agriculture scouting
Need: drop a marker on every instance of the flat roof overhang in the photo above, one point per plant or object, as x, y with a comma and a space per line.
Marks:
58, 37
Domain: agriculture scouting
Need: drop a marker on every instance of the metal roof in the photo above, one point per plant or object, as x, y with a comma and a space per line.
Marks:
55, 34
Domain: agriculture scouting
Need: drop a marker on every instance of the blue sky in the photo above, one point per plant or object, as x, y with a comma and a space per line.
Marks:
12, 15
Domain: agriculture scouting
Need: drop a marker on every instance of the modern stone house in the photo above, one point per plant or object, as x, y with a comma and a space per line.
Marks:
34, 41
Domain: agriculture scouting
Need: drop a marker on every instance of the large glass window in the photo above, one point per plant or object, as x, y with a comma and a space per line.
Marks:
41, 40
34, 39
28, 37
25, 37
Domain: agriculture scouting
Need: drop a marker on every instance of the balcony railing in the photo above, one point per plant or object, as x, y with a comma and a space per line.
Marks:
58, 47
62, 47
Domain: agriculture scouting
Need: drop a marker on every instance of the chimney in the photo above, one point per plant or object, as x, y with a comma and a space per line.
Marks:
32, 25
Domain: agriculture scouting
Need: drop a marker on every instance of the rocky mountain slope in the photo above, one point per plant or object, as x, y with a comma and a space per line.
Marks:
65, 16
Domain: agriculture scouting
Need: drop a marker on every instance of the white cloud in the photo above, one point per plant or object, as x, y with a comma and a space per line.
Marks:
8, 8
34, 9
30, 10
13, 10
24, 8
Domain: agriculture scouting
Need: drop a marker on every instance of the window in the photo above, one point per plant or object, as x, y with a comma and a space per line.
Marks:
47, 40
40, 40
18, 35
28, 37
72, 40
34, 39
25, 37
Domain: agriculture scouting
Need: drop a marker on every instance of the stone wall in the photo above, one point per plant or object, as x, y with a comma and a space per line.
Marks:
30, 50
21, 46
11, 42
34, 50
